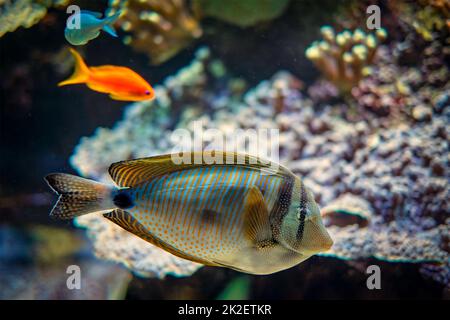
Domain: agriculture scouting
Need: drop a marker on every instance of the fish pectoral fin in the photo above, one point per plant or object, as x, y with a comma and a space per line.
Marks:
127, 222
256, 218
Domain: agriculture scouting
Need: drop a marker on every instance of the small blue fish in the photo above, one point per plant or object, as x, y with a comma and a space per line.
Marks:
90, 24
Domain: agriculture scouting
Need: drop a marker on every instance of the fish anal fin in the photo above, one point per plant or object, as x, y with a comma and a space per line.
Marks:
127, 222
97, 87
132, 172
256, 219
121, 98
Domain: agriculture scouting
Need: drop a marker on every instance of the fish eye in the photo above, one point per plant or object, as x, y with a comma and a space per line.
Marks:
302, 210
147, 92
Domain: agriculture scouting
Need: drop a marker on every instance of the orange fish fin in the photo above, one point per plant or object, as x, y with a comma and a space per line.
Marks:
81, 73
127, 222
132, 172
121, 98
97, 87
256, 218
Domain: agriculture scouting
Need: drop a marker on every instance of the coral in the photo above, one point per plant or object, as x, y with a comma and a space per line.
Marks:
388, 91
158, 28
383, 188
429, 18
24, 13
241, 13
346, 210
100, 280
322, 91
345, 58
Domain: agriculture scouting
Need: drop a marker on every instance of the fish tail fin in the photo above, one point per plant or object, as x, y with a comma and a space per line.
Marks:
108, 24
79, 196
81, 73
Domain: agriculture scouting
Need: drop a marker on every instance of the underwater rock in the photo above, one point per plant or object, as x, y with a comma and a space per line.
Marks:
397, 175
24, 13
346, 210
241, 13
158, 28
345, 58
389, 242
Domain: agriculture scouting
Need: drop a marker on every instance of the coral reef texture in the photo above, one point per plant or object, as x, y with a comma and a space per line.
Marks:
158, 28
383, 186
345, 58
24, 13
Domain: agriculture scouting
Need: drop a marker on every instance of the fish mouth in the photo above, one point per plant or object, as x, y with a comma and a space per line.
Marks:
315, 237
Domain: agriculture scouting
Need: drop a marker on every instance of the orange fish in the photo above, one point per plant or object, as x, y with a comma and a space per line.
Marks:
120, 83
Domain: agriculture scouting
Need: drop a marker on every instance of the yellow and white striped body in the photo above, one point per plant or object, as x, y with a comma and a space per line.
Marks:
199, 211
250, 216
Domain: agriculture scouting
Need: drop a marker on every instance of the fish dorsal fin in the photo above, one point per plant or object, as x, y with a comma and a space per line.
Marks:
93, 13
256, 219
132, 172
127, 222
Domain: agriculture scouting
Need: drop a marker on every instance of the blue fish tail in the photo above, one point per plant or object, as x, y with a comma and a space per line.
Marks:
108, 24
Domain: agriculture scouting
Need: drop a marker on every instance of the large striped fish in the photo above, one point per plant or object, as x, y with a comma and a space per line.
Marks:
252, 216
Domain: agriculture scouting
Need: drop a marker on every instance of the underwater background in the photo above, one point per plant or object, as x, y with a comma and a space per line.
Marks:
363, 117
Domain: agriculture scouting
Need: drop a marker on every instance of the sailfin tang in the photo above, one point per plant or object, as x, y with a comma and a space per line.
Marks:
78, 196
81, 73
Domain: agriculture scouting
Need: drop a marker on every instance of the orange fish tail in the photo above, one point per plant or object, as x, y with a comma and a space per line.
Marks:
81, 73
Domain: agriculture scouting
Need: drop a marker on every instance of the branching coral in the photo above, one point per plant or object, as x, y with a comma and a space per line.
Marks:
345, 58
23, 13
157, 28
